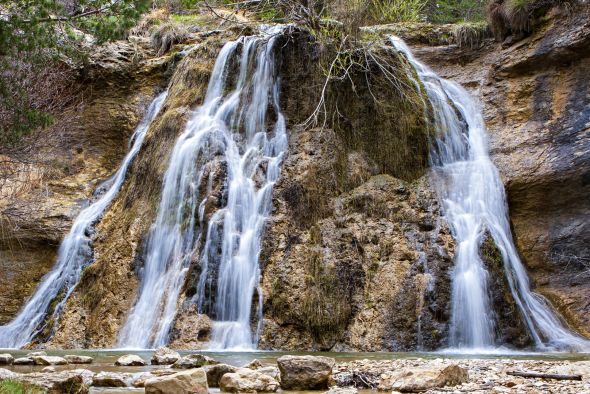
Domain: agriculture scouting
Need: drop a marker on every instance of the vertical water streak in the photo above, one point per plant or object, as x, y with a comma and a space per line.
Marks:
229, 128
474, 203
75, 251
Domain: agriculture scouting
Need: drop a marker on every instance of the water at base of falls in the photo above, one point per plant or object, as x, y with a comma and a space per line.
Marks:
75, 251
474, 203
229, 132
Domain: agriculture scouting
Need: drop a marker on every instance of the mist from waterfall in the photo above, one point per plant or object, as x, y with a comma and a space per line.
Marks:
75, 251
474, 204
232, 131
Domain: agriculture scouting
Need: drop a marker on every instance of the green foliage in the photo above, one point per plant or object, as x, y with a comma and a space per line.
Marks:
36, 34
13, 387
392, 11
453, 11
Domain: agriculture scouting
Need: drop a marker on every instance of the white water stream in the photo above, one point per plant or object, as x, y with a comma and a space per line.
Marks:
231, 127
75, 251
474, 202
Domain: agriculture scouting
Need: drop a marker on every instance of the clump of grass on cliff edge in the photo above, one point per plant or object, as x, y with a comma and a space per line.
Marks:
518, 17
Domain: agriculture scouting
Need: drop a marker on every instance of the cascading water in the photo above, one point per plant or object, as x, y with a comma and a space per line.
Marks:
75, 251
231, 127
474, 203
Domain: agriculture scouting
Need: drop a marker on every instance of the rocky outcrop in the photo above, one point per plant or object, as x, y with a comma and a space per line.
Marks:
327, 255
536, 106
305, 372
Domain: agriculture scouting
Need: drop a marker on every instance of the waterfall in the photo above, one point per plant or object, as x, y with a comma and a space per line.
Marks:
75, 251
474, 202
231, 127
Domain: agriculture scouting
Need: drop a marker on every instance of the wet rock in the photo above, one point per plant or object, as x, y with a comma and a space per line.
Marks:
165, 356
48, 369
246, 380
423, 379
57, 382
49, 360
23, 361
76, 359
112, 379
254, 364
193, 361
130, 360
193, 381
215, 372
6, 359
305, 372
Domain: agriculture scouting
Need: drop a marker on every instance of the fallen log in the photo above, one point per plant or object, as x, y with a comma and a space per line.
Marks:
544, 375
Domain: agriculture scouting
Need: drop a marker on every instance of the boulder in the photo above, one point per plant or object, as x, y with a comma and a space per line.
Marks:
246, 380
165, 356
193, 381
48, 369
112, 379
305, 372
216, 371
49, 360
423, 379
254, 364
56, 383
130, 360
194, 361
6, 359
23, 361
75, 359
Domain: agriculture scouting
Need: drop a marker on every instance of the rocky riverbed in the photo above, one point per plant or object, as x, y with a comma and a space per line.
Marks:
166, 371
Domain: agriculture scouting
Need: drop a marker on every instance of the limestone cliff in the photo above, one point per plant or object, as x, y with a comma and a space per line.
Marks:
356, 254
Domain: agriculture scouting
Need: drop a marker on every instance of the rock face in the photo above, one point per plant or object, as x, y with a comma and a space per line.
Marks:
536, 106
165, 356
305, 372
187, 382
130, 360
246, 380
